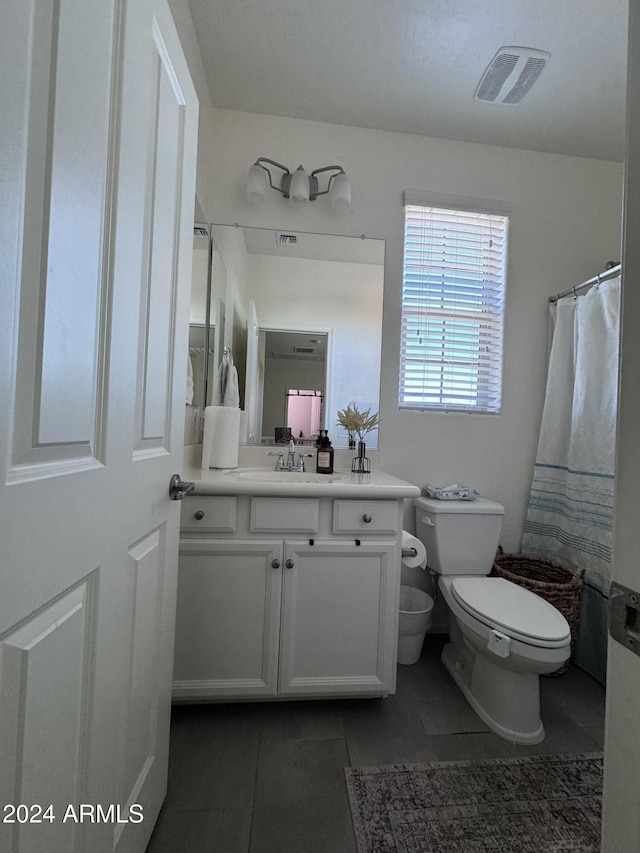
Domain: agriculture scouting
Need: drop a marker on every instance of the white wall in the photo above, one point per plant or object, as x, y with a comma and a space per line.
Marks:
565, 225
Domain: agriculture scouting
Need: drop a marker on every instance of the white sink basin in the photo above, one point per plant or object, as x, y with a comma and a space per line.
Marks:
263, 476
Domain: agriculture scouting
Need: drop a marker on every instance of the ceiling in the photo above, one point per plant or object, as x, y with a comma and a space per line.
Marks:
412, 66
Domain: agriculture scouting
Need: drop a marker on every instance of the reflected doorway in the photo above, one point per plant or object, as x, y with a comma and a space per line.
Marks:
305, 410
293, 362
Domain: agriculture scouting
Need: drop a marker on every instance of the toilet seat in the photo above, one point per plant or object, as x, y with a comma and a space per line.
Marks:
507, 607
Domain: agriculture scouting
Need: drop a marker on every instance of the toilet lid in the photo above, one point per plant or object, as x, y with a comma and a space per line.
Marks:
518, 612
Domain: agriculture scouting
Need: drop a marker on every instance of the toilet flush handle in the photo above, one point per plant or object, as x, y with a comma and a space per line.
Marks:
428, 521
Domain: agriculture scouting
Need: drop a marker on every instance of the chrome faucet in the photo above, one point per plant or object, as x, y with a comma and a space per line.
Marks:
291, 464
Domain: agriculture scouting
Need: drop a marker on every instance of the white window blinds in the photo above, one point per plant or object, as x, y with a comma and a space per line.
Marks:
452, 309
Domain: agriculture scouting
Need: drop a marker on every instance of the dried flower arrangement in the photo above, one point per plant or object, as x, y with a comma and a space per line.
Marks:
355, 421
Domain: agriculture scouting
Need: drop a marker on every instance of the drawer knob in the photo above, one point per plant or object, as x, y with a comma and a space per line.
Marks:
289, 564
198, 515
275, 564
366, 518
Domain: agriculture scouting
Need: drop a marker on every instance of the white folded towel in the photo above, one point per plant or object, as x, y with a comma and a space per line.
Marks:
189, 382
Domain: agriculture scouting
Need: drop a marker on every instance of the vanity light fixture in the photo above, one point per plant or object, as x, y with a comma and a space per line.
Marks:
298, 186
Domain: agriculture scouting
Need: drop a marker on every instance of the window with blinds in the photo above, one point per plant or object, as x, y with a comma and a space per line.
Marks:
452, 309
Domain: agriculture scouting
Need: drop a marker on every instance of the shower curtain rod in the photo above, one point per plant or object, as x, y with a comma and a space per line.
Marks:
610, 272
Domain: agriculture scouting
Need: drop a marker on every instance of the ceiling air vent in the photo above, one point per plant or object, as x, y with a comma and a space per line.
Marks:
510, 74
284, 239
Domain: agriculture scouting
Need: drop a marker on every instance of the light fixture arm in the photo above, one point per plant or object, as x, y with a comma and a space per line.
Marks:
298, 186
314, 191
286, 178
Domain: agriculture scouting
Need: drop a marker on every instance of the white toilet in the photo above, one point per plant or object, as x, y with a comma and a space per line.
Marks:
501, 636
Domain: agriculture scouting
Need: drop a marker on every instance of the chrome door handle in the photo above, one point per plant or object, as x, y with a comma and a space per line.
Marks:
179, 489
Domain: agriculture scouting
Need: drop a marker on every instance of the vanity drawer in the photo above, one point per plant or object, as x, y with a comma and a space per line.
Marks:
366, 517
284, 515
208, 515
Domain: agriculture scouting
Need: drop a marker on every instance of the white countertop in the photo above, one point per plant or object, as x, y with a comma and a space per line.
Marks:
255, 480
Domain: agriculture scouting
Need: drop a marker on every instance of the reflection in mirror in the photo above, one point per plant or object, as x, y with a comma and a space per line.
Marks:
206, 327
198, 312
326, 288
294, 383
201, 334
217, 315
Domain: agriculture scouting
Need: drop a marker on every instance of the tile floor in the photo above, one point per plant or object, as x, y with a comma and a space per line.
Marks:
268, 777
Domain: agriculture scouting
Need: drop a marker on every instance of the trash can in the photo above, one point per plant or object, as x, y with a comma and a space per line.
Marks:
416, 612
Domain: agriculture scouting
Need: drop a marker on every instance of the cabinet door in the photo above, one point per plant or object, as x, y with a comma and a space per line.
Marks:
339, 618
228, 618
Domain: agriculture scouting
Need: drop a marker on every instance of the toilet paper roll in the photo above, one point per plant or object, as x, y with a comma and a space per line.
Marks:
221, 437
411, 542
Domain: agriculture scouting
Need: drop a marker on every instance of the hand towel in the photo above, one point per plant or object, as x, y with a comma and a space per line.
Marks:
231, 394
217, 395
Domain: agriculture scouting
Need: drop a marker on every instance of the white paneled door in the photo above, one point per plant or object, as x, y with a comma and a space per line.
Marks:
99, 126
621, 812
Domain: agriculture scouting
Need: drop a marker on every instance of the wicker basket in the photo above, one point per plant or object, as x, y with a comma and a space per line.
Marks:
559, 585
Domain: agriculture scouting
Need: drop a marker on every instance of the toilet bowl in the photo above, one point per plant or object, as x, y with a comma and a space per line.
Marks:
502, 637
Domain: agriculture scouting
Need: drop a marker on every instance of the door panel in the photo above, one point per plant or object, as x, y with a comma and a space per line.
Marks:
144, 672
335, 617
621, 817
95, 253
67, 203
228, 618
159, 295
47, 679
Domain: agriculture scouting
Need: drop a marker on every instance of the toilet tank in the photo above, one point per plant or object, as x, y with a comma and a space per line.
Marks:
461, 537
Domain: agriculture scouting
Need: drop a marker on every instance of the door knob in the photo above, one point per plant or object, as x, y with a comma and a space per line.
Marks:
289, 564
179, 489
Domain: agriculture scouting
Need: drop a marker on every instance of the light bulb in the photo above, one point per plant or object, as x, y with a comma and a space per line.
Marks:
256, 184
340, 193
299, 187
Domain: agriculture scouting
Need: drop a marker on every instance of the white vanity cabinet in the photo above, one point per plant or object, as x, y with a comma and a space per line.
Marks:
287, 597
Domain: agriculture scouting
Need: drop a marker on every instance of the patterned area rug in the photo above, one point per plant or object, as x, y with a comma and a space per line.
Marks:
538, 804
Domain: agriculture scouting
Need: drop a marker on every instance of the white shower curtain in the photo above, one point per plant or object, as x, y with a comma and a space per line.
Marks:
570, 514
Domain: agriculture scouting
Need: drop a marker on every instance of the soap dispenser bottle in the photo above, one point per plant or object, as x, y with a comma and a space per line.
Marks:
324, 457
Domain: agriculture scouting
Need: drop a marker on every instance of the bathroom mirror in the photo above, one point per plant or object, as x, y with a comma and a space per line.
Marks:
311, 316
207, 315
201, 332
